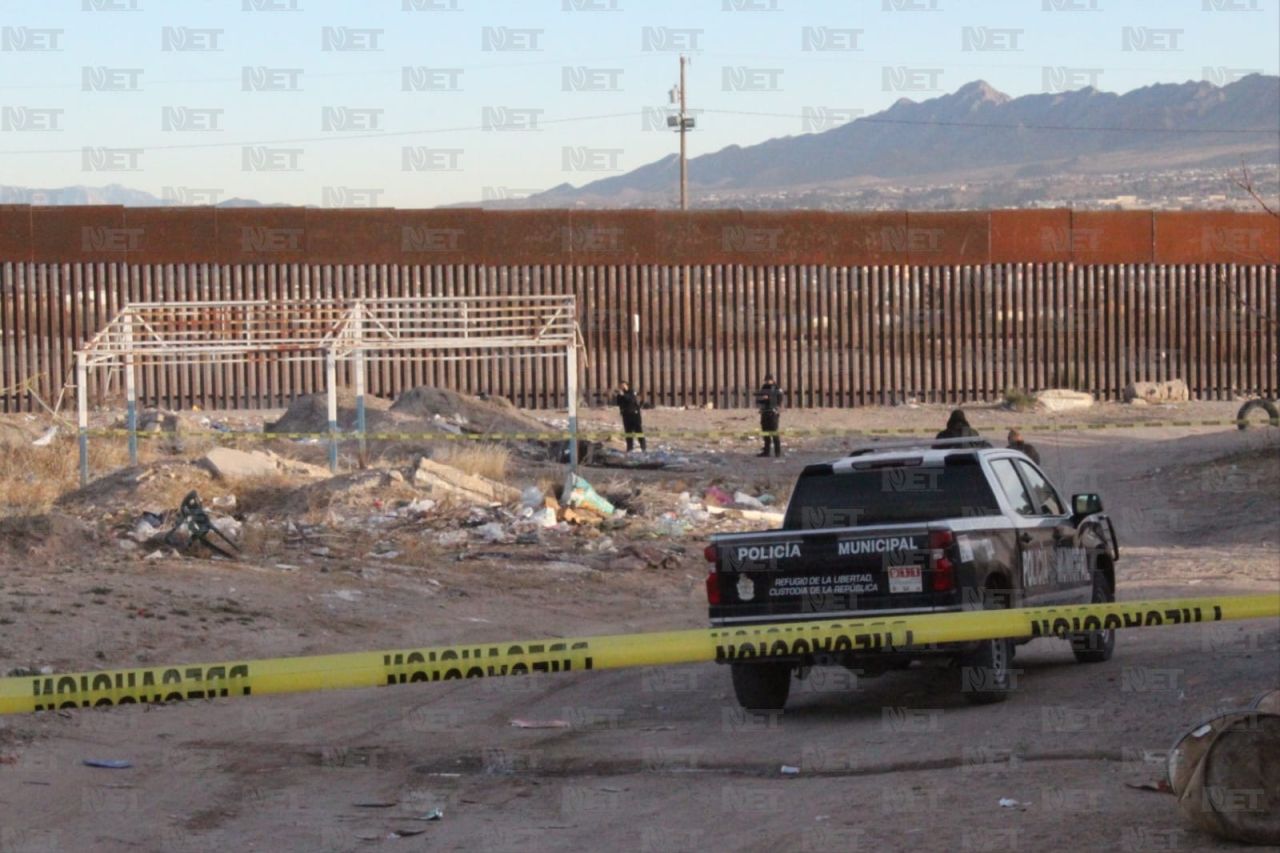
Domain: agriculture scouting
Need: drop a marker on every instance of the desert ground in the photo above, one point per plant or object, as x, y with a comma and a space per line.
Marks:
642, 759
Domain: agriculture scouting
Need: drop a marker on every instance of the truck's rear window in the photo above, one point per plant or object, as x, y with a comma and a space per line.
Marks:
895, 495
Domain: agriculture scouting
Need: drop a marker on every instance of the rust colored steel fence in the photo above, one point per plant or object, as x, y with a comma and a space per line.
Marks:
835, 336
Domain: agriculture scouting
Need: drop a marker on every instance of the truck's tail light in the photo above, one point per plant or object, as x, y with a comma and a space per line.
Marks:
713, 580
944, 571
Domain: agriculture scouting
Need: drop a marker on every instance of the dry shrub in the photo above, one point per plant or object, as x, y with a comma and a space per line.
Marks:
32, 478
483, 460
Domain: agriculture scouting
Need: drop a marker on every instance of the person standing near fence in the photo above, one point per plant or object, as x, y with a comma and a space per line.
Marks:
769, 402
629, 407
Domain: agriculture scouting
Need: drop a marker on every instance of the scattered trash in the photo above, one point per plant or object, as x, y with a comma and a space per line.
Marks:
788, 770
108, 763
347, 594
451, 538
21, 671
47, 438
493, 532
744, 500
583, 495
195, 525
531, 496
224, 501
154, 555
420, 506
1008, 803
716, 496
144, 531
767, 500
434, 814
1230, 752
1160, 787
540, 724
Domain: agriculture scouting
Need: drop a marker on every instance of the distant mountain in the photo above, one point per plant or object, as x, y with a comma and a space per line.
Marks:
110, 194
979, 132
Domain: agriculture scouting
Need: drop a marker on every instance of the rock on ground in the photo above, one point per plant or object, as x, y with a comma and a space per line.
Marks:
1063, 400
1173, 391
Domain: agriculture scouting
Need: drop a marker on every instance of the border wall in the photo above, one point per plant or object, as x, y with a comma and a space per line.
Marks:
693, 308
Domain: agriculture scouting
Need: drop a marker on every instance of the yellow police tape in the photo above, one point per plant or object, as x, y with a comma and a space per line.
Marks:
483, 660
752, 434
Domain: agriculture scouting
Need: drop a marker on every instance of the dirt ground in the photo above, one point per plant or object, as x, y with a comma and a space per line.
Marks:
647, 759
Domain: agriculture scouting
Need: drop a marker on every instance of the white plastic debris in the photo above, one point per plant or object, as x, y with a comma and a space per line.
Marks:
492, 532
788, 770
420, 506
451, 538
46, 439
143, 531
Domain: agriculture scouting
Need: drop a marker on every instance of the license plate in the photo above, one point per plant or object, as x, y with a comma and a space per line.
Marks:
906, 579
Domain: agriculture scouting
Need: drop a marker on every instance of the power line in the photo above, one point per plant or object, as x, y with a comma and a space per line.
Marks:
350, 137
336, 136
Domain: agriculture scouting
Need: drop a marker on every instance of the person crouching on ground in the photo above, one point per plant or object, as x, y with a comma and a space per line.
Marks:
769, 402
1016, 443
958, 427
629, 407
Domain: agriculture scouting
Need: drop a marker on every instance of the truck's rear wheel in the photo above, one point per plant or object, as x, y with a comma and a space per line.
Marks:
761, 686
1096, 646
985, 672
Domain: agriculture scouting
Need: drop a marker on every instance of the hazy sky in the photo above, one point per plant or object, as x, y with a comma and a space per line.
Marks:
415, 103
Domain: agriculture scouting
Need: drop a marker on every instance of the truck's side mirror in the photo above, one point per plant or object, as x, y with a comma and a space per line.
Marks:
1086, 504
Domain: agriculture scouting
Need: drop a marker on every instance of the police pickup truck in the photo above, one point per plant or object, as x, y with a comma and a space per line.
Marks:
903, 527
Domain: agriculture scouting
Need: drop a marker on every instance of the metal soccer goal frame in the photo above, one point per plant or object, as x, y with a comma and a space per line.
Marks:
453, 328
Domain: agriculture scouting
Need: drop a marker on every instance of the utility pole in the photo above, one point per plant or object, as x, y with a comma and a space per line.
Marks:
682, 123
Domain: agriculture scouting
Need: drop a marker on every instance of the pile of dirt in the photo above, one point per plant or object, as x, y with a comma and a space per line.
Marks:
310, 414
44, 536
155, 486
469, 414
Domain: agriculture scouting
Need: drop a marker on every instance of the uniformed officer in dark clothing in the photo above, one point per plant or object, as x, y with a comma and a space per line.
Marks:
769, 402
1016, 443
629, 406
958, 427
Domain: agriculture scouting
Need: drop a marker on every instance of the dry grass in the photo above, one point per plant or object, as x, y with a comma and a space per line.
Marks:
32, 478
483, 460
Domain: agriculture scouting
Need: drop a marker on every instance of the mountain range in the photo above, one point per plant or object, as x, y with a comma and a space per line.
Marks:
979, 132
1062, 147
